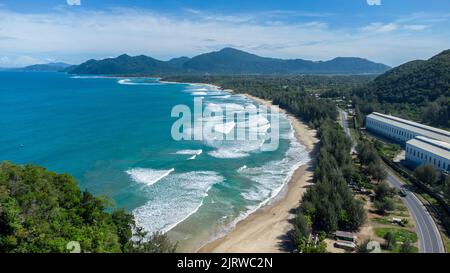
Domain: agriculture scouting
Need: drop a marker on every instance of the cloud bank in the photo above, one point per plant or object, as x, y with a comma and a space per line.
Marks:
75, 36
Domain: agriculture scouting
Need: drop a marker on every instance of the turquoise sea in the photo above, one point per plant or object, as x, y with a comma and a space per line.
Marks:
114, 136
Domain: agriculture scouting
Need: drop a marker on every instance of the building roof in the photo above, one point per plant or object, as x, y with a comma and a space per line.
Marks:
412, 126
436, 147
345, 234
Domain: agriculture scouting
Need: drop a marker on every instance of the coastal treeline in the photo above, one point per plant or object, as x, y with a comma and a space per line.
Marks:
329, 204
42, 211
297, 94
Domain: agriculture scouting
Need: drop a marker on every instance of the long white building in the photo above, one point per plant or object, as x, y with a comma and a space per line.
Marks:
422, 150
424, 144
403, 130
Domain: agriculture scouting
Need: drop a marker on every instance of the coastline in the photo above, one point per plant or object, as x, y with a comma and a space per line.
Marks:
265, 229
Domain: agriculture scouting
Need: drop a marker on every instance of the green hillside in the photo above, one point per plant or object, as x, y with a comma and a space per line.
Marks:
124, 64
41, 211
419, 90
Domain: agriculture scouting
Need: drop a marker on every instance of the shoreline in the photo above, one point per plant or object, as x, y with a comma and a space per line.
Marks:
266, 228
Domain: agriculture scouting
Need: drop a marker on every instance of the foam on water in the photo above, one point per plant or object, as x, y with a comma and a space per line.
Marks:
124, 81
227, 153
269, 181
181, 196
224, 128
221, 97
193, 153
242, 168
274, 175
199, 93
148, 176
137, 81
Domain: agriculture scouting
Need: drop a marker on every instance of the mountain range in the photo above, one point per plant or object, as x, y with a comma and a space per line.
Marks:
228, 61
49, 67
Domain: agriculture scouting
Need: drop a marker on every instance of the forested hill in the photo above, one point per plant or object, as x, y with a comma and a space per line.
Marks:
416, 81
41, 211
50, 67
125, 64
419, 90
228, 61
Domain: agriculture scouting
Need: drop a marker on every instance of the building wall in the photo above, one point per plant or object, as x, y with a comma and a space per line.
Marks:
389, 131
418, 156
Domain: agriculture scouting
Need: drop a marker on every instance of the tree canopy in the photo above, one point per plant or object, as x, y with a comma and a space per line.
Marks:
42, 211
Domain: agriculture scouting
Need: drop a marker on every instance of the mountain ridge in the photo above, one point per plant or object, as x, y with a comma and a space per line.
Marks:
227, 61
48, 67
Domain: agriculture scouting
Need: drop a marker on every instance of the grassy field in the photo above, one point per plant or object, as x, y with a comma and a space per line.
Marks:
400, 234
390, 150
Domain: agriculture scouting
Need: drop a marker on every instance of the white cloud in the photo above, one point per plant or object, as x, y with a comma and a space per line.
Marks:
74, 37
416, 27
74, 2
380, 27
18, 61
373, 2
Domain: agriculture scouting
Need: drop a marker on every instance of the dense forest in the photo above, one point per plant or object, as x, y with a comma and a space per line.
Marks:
41, 211
418, 90
329, 205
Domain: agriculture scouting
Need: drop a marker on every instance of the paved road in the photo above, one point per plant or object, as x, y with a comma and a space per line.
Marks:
430, 240
344, 124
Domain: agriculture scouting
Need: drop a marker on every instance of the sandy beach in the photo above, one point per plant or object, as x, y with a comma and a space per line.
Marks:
265, 230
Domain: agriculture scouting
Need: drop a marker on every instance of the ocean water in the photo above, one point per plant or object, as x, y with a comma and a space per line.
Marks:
114, 136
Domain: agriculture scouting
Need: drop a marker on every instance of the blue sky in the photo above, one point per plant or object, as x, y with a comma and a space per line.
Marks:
393, 32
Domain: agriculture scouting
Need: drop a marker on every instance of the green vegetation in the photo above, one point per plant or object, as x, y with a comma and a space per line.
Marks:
384, 198
436, 181
41, 211
392, 244
427, 174
125, 64
418, 90
329, 203
407, 247
391, 240
370, 161
401, 235
228, 61
388, 150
